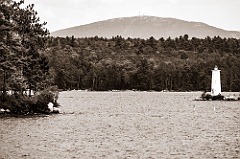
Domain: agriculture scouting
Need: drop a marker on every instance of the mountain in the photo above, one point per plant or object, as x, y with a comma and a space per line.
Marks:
145, 27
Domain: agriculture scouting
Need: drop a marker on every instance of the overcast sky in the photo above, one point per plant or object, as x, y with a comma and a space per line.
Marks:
61, 14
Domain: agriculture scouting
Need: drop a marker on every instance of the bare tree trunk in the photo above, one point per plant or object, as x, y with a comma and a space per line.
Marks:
79, 82
29, 91
166, 83
4, 85
93, 83
171, 83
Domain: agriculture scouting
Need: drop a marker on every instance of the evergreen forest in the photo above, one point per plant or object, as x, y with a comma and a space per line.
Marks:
24, 67
172, 64
31, 59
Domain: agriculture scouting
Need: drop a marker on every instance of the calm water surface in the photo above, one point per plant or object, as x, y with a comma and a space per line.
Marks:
126, 125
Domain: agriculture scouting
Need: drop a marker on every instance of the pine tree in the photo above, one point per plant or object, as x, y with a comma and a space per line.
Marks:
22, 38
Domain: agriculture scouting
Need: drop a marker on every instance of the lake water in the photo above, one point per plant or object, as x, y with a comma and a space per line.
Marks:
126, 125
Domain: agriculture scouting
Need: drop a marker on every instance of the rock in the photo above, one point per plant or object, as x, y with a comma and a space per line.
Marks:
4, 111
56, 110
199, 99
50, 106
231, 98
53, 109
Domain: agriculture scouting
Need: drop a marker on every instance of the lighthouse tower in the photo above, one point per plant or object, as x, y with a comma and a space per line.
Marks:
216, 82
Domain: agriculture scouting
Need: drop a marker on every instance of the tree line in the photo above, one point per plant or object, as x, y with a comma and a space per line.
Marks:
30, 59
179, 64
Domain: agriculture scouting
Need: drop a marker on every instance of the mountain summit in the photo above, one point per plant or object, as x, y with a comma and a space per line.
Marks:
145, 27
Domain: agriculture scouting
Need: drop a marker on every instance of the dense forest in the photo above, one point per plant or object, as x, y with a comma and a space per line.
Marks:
23, 64
179, 64
30, 59
22, 41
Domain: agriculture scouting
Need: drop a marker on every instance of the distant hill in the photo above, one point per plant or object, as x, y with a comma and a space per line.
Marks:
145, 27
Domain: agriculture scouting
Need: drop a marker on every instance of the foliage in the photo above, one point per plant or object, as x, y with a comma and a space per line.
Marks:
23, 62
30, 59
23, 38
180, 64
21, 104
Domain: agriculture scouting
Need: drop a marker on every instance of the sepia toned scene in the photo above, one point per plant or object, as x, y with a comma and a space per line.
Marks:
119, 79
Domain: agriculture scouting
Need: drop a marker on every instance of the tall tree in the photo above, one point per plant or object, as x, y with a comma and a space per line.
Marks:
22, 39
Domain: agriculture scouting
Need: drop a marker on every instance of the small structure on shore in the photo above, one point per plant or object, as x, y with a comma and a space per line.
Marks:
216, 82
216, 93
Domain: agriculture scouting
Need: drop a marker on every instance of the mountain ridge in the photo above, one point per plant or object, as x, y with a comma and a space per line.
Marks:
145, 27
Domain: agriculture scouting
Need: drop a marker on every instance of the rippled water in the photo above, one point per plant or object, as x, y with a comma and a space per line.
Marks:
126, 125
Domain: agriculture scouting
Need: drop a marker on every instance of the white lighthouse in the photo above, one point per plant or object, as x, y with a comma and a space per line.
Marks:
216, 82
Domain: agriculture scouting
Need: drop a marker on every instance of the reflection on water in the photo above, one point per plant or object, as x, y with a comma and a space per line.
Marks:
126, 125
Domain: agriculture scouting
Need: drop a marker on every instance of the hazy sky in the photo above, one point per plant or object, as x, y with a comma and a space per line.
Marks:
60, 14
